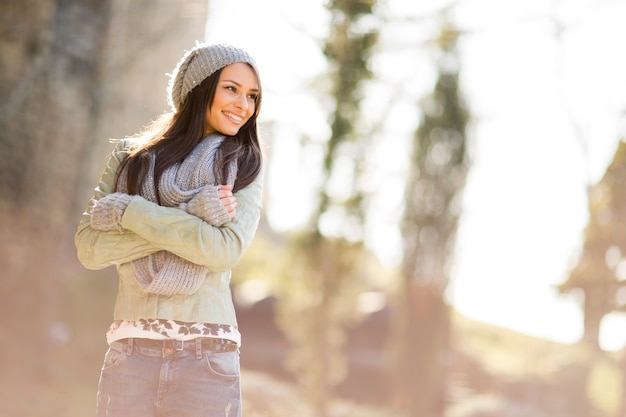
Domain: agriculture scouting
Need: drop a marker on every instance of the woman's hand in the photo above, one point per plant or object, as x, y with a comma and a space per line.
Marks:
228, 199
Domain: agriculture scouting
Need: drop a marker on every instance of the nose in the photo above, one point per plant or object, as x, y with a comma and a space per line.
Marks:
242, 102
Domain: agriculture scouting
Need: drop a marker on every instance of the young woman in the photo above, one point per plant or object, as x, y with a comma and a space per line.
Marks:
176, 208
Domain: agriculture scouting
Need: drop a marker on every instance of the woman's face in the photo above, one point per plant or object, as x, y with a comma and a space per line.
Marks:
235, 100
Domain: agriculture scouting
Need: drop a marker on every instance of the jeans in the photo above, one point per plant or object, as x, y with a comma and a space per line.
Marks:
140, 381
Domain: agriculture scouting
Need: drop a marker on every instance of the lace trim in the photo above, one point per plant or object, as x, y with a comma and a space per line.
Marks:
161, 329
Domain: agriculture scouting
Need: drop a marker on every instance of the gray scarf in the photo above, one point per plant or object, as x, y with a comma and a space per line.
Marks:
163, 272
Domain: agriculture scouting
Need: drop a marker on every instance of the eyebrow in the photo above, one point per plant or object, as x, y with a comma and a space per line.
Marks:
239, 85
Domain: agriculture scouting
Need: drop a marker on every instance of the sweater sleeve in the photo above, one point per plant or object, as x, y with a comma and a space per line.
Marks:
97, 249
148, 228
192, 238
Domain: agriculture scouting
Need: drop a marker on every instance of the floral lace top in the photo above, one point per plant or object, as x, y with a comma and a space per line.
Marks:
160, 329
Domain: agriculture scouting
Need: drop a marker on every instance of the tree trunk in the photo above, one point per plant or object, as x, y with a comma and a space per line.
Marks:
51, 52
423, 337
431, 216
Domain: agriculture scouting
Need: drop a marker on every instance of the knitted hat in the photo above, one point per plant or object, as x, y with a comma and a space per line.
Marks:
198, 64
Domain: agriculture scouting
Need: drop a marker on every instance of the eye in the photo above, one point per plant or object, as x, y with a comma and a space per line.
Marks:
231, 88
253, 97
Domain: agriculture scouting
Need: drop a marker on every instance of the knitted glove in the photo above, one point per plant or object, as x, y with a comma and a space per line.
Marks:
206, 204
107, 213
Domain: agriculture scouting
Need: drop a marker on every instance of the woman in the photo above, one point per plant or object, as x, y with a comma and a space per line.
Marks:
176, 208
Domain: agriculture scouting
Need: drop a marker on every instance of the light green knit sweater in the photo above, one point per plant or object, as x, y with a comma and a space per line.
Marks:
147, 228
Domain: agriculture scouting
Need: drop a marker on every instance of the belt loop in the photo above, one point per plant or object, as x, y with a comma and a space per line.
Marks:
129, 347
180, 345
198, 348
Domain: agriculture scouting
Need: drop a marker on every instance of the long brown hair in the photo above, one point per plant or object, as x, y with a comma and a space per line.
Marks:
174, 135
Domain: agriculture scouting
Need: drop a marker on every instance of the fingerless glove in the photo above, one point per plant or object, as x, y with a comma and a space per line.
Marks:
107, 213
207, 205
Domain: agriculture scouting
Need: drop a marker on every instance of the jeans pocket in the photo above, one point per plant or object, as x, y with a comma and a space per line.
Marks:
224, 364
112, 359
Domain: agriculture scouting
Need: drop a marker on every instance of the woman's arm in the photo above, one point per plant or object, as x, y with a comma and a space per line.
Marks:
191, 238
148, 227
97, 249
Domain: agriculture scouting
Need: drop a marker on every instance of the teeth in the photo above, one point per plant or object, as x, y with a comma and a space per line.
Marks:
233, 116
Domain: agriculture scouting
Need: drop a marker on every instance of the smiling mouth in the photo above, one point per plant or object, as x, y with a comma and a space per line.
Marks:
234, 117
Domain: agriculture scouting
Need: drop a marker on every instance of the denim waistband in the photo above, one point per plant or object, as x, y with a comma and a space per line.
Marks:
168, 347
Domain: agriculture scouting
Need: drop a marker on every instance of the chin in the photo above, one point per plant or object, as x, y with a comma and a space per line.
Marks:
230, 132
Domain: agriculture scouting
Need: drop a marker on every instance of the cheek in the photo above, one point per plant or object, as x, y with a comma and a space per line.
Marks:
251, 110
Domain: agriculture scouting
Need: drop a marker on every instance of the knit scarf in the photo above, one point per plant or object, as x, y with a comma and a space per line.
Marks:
164, 272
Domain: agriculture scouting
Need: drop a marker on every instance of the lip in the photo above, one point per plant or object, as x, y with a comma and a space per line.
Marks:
233, 117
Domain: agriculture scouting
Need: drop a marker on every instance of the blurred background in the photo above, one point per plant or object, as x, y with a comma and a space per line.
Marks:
444, 226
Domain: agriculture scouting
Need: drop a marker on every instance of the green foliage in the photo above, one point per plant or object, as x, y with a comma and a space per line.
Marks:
325, 273
348, 50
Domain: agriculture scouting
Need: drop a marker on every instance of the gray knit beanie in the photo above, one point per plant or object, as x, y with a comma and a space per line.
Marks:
198, 64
